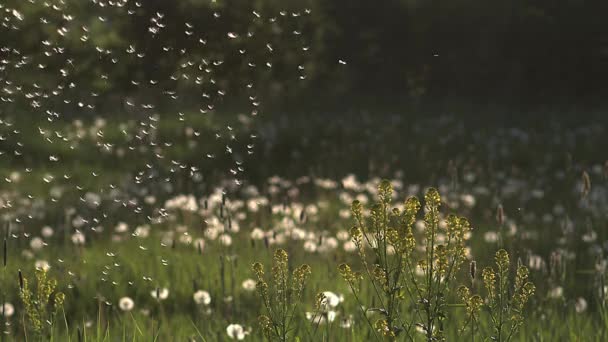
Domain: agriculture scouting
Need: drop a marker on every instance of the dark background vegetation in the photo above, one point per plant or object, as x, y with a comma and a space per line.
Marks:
516, 53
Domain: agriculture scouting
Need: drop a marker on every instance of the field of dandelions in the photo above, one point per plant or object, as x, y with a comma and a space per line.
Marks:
146, 194
454, 244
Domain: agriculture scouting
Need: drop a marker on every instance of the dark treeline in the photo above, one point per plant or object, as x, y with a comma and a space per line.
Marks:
515, 52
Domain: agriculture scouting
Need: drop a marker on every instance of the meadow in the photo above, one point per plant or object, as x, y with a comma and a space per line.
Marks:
301, 171
186, 271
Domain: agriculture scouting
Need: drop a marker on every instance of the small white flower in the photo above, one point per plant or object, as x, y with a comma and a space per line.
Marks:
201, 297
126, 304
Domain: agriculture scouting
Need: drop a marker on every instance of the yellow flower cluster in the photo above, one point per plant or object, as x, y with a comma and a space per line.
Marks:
281, 296
41, 305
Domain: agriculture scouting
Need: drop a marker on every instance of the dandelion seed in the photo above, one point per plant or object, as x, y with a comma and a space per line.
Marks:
586, 184
17, 15
500, 215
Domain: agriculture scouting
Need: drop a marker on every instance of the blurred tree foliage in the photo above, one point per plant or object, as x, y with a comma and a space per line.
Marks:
523, 51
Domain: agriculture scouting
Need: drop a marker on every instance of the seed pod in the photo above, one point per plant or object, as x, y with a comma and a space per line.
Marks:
555, 261
586, 184
5, 253
473, 270
500, 215
20, 280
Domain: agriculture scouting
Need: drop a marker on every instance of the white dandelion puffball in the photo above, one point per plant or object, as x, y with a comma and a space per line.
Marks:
310, 246
78, 238
236, 332
201, 297
121, 227
42, 264
490, 236
556, 292
160, 294
331, 299
249, 284
580, 305
47, 231
225, 239
7, 310
36, 243
257, 234
350, 246
126, 304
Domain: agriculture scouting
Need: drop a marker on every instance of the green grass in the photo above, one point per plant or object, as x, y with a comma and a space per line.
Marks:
313, 147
